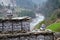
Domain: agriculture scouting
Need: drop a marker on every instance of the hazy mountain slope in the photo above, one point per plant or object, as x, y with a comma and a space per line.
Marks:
25, 3
22, 3
7, 2
39, 1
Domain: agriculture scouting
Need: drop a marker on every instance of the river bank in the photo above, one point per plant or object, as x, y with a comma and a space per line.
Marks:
36, 20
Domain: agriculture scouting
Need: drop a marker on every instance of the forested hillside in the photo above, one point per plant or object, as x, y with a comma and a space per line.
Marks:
25, 4
26, 13
28, 4
50, 6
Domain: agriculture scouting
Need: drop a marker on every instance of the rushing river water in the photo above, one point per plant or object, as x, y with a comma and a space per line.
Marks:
36, 20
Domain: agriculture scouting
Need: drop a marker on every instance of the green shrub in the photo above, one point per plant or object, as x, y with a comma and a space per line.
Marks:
39, 24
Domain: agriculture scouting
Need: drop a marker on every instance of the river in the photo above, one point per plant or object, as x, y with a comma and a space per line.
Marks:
36, 20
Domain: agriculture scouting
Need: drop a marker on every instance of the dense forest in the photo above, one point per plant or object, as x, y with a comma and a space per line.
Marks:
50, 7
51, 10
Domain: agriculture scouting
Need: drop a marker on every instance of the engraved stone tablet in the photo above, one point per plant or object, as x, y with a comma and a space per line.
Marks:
16, 26
7, 26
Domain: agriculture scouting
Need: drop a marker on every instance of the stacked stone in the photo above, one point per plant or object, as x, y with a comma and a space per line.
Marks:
21, 24
28, 36
15, 24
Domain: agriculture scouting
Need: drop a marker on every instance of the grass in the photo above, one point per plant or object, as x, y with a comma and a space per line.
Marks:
54, 27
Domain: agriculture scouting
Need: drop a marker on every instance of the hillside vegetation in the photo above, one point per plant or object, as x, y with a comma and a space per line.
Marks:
26, 13
28, 4
39, 24
54, 27
51, 10
49, 7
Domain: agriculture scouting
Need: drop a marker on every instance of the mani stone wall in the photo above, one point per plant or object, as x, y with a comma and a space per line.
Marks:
28, 36
12, 25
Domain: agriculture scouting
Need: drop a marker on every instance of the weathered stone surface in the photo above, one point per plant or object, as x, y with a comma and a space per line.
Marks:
14, 26
40, 37
27, 36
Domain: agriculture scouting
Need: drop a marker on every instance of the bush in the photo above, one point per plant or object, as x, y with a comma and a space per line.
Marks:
39, 24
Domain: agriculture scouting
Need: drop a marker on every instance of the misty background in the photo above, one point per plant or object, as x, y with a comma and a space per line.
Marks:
49, 9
